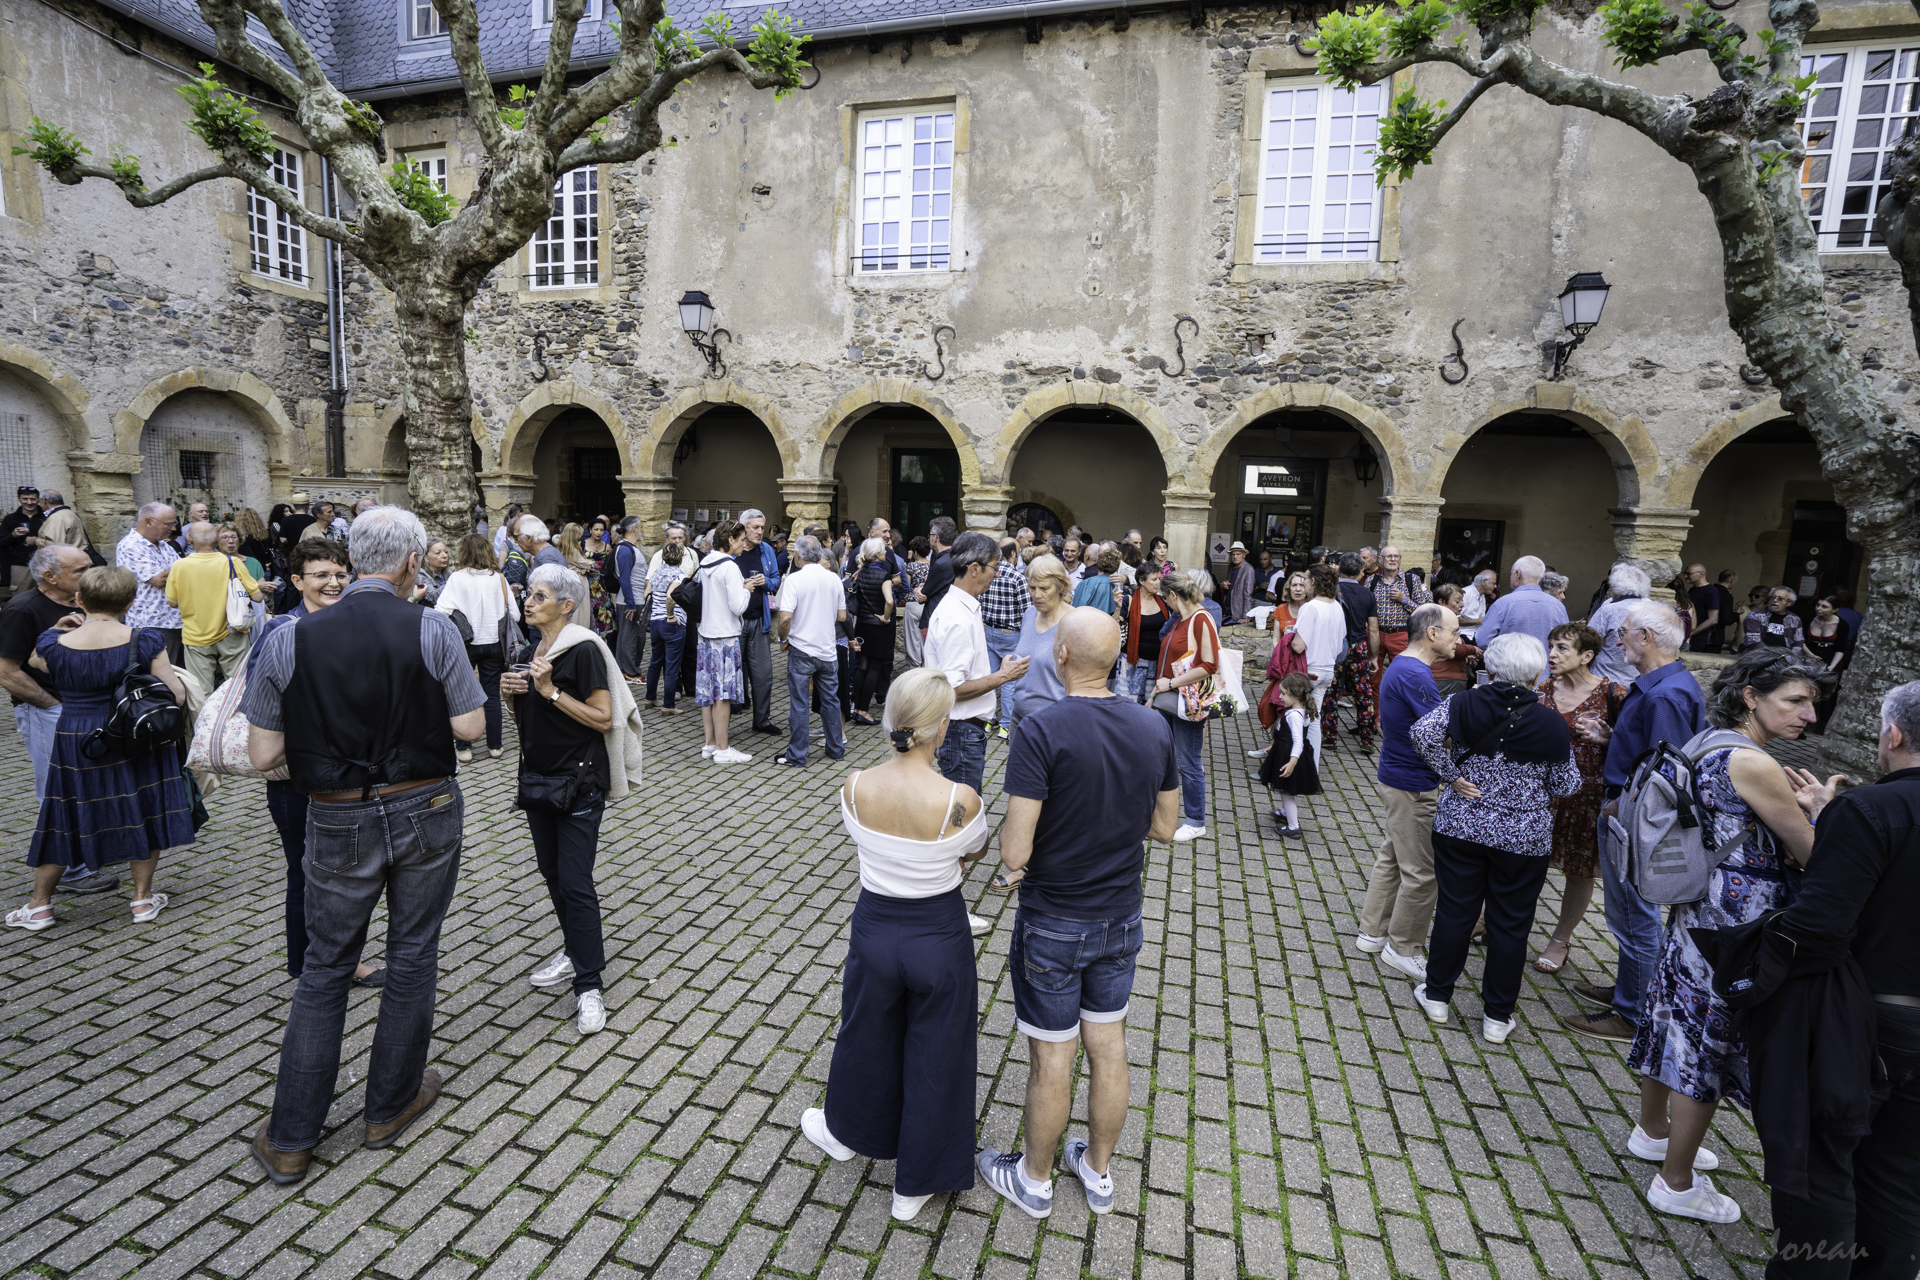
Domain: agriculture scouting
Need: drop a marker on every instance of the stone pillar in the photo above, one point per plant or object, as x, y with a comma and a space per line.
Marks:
1411, 523
809, 500
279, 481
651, 499
985, 506
1650, 538
1188, 513
103, 494
498, 489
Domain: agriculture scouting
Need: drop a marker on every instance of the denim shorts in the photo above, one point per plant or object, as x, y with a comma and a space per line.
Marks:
1066, 972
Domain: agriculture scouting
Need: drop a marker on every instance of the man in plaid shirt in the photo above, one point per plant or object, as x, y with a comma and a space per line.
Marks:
1001, 610
1396, 596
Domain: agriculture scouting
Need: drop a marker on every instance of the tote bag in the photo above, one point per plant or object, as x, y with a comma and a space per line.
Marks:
239, 603
220, 735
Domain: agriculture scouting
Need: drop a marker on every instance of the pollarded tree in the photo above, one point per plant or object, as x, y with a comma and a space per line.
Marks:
432, 255
1745, 150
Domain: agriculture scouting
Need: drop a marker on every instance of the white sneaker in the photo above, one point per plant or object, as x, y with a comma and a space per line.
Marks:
553, 972
813, 1123
1368, 943
1699, 1201
980, 927
905, 1207
1414, 967
1639, 1144
1437, 1010
731, 755
707, 752
1187, 833
1497, 1032
1259, 753
592, 1013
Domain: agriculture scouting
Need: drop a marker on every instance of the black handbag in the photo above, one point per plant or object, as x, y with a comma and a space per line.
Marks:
144, 716
566, 792
464, 627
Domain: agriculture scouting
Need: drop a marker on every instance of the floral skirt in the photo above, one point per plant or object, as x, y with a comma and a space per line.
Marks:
716, 672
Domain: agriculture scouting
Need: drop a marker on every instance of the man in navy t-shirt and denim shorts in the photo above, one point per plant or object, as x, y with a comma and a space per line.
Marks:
1089, 780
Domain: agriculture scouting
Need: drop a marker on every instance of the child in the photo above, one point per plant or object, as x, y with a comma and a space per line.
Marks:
1290, 768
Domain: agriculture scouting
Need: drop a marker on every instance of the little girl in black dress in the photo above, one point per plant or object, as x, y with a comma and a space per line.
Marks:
1290, 769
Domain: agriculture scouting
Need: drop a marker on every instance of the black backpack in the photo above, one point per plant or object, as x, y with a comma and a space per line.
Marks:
687, 596
144, 717
610, 568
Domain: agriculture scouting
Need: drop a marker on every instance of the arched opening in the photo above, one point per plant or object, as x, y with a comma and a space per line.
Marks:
1530, 484
1095, 466
897, 461
1768, 514
576, 468
204, 446
726, 462
1293, 480
33, 441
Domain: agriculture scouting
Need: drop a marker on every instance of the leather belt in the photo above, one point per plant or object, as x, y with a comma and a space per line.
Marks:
1904, 1002
381, 792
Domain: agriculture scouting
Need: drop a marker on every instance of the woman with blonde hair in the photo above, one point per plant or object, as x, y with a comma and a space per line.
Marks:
1052, 593
901, 1086
872, 647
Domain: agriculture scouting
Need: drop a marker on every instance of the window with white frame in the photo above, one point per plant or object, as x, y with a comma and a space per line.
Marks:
433, 164
1863, 104
904, 214
566, 247
427, 22
1318, 200
543, 12
276, 243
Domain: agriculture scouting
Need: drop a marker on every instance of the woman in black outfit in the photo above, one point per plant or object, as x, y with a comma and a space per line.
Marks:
873, 627
1828, 644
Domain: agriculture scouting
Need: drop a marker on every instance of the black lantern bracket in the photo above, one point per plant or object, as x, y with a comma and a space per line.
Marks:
1563, 350
1179, 347
939, 354
709, 346
1581, 304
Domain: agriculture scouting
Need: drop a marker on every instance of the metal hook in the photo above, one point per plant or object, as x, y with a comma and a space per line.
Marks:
939, 353
540, 355
1459, 356
1299, 42
817, 74
1754, 376
1179, 348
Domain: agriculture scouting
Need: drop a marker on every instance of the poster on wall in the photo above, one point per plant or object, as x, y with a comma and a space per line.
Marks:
680, 514
699, 515
1217, 546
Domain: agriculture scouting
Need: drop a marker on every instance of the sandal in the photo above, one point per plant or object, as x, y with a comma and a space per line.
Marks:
1545, 965
153, 907
30, 919
1005, 881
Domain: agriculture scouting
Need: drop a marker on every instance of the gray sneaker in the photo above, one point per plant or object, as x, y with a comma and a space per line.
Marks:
1099, 1190
553, 972
95, 883
1002, 1172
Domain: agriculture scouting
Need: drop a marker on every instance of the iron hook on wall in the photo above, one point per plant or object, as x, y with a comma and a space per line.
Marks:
1299, 43
1180, 348
939, 353
540, 356
1754, 376
1458, 357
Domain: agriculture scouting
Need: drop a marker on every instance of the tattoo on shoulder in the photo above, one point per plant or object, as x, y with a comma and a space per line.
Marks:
959, 814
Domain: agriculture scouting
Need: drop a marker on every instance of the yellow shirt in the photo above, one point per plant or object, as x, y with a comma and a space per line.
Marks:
197, 586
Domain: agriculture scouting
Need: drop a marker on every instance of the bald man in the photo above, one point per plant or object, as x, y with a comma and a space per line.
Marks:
1525, 608
1077, 822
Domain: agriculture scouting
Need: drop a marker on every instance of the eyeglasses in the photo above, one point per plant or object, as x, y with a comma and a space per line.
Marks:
325, 577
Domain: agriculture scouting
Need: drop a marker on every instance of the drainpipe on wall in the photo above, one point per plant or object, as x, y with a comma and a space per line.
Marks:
336, 343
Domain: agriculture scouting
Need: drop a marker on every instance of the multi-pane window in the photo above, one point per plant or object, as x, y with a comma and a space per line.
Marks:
566, 247
543, 12
1863, 104
434, 165
276, 243
905, 212
1318, 199
426, 20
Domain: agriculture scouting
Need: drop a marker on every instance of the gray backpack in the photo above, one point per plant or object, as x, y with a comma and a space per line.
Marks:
1661, 843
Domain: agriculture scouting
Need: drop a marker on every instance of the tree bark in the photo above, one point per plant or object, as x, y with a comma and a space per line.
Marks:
436, 404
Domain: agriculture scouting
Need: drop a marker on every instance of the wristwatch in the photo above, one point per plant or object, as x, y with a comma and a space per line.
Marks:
554, 697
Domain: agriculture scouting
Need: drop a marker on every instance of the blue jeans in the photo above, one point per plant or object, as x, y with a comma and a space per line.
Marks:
1000, 644
963, 756
669, 637
1187, 737
405, 849
1140, 679
825, 678
1066, 972
1635, 923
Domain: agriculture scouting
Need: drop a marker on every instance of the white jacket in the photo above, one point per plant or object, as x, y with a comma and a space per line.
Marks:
624, 734
480, 596
723, 597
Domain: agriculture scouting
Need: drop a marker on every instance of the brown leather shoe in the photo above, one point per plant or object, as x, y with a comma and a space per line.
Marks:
1602, 996
1600, 1026
382, 1136
284, 1168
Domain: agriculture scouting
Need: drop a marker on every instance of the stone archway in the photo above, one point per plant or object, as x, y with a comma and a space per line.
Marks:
1380, 431
849, 409
63, 393
651, 487
285, 443
1047, 401
514, 453
1684, 478
1635, 458
44, 440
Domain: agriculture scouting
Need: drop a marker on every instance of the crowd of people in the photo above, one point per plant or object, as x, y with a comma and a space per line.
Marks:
1512, 740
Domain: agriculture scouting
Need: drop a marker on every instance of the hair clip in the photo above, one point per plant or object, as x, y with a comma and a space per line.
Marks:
902, 741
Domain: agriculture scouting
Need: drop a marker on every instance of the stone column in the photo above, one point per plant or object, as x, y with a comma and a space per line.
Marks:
1188, 513
809, 500
651, 499
103, 494
986, 506
279, 481
498, 489
1411, 523
1650, 538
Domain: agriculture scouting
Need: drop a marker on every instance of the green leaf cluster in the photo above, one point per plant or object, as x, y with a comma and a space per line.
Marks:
419, 193
126, 170
515, 117
1348, 43
1481, 13
1634, 30
1407, 135
776, 48
223, 120
1417, 26
671, 44
54, 149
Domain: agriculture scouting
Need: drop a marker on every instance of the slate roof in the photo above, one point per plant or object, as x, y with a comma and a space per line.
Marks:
365, 47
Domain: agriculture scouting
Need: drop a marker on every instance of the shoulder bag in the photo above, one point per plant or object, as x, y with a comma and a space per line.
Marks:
144, 715
687, 596
1197, 701
239, 603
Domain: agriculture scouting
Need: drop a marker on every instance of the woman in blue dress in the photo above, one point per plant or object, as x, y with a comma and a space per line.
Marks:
118, 808
1688, 1051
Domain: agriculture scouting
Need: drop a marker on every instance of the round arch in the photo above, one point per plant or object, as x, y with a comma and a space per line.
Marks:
531, 416
849, 409
63, 392
389, 418
1684, 479
653, 453
1636, 462
1045, 402
285, 445
1376, 427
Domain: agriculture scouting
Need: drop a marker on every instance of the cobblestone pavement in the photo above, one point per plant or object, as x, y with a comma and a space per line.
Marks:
1293, 1113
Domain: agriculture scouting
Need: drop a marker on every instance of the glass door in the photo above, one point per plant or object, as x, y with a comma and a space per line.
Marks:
926, 484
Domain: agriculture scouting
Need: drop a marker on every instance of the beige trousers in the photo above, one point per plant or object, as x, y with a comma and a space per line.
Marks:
1401, 891
213, 663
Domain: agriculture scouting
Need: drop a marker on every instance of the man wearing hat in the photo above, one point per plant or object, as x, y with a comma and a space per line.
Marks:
18, 534
1240, 578
295, 522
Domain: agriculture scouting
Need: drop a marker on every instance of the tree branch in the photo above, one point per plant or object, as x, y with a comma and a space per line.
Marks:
603, 94
463, 35
251, 173
274, 17
255, 175
1471, 96
228, 18
553, 79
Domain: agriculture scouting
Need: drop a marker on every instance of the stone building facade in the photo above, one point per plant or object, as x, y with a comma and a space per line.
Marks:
1118, 333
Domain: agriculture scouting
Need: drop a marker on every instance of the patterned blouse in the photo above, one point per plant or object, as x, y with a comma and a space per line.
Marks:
1514, 811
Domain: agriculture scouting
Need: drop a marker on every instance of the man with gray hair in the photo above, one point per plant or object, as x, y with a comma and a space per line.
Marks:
1627, 588
1525, 608
812, 613
363, 701
536, 540
63, 524
148, 552
1476, 600
756, 654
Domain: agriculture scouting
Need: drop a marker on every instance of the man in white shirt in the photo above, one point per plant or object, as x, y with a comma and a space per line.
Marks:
812, 608
1478, 595
957, 645
689, 564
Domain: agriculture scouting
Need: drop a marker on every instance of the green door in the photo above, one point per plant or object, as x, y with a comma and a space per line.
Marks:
926, 483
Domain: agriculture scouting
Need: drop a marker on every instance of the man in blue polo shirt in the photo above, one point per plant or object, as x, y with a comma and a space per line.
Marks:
1401, 892
1664, 703
1525, 608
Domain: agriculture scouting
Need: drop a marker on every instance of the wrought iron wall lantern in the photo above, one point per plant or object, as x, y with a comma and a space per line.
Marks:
1581, 303
1366, 464
696, 318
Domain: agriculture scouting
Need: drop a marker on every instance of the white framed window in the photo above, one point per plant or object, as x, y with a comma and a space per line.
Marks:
566, 247
425, 21
1318, 200
903, 219
275, 242
1863, 104
433, 164
543, 12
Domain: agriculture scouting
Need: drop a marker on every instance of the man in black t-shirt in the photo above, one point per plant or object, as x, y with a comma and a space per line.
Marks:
19, 532
294, 523
1708, 620
1090, 779
940, 536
